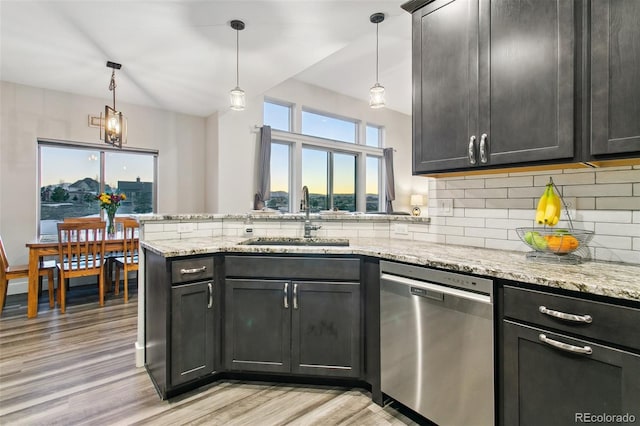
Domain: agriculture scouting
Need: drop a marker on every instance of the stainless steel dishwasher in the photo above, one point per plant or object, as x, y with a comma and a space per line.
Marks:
437, 343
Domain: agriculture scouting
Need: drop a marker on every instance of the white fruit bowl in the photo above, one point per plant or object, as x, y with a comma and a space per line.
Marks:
555, 241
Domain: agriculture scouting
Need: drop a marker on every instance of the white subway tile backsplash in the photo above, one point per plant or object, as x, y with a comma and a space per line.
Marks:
486, 193
516, 181
636, 216
605, 216
153, 227
521, 214
636, 189
618, 203
491, 213
198, 233
505, 245
447, 230
625, 229
605, 190
567, 179
464, 241
447, 193
534, 192
621, 176
613, 255
611, 242
208, 225
465, 221
170, 227
465, 183
431, 238
510, 203
636, 243
586, 203
500, 234
469, 202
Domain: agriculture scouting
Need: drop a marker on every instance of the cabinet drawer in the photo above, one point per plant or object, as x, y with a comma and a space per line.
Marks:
316, 268
611, 323
198, 268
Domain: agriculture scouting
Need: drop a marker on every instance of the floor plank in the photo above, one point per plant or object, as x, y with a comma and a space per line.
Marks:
79, 369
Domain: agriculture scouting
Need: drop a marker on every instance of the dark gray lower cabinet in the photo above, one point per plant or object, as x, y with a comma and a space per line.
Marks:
284, 326
561, 385
257, 326
192, 331
566, 358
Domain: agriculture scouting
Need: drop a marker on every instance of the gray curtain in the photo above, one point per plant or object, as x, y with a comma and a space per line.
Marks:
390, 179
264, 168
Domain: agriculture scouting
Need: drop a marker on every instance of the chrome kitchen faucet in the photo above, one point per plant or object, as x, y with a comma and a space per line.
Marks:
308, 227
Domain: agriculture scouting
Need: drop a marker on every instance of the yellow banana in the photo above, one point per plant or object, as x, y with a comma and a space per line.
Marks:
542, 205
553, 208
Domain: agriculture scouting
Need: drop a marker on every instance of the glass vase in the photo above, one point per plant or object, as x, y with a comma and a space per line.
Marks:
111, 224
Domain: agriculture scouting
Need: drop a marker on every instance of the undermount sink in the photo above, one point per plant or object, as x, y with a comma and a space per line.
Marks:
293, 241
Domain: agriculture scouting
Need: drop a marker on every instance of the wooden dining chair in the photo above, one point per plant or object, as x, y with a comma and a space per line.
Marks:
129, 260
83, 219
8, 272
81, 248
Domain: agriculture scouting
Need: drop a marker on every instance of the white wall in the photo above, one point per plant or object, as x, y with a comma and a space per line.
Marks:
238, 141
28, 113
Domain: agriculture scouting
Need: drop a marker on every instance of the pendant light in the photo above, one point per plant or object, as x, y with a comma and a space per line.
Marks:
114, 124
236, 95
376, 93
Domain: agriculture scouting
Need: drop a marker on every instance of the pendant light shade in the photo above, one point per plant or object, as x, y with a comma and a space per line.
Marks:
113, 126
236, 95
376, 93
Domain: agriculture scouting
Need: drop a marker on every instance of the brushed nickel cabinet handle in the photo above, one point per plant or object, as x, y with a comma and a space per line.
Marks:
286, 295
295, 296
210, 304
585, 350
484, 149
584, 319
193, 271
472, 149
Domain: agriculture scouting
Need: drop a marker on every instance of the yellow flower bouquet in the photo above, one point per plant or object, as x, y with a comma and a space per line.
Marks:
110, 203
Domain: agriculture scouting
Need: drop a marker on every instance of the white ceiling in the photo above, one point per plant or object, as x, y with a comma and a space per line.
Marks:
181, 55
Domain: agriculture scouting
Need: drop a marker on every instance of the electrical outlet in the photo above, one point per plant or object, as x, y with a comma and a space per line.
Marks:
185, 227
571, 208
400, 229
445, 207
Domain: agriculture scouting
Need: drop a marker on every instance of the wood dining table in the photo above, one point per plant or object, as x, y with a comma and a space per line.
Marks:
48, 246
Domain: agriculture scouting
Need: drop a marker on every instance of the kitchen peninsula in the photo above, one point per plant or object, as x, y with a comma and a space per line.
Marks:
226, 276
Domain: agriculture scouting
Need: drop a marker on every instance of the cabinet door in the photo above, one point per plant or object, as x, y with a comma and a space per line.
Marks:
544, 385
192, 331
326, 329
445, 84
257, 325
615, 76
526, 84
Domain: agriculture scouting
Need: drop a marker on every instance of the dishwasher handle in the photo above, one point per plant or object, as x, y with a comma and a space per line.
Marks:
435, 291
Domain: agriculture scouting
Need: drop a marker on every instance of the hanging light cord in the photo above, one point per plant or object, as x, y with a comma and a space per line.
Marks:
237, 58
376, 53
112, 87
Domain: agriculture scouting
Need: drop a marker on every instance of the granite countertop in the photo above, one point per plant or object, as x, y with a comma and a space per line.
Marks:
277, 216
602, 278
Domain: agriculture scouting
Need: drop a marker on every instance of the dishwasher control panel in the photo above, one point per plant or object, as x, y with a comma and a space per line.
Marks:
436, 276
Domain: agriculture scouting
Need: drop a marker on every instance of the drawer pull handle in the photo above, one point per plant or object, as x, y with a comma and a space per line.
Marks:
585, 350
586, 319
210, 304
193, 271
286, 295
295, 296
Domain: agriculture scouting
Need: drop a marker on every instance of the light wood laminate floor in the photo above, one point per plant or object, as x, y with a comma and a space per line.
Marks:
78, 368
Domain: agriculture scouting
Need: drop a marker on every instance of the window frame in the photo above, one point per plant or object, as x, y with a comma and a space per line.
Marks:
102, 149
357, 123
287, 105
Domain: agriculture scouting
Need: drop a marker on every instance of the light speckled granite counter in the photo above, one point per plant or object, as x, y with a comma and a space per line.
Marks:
606, 279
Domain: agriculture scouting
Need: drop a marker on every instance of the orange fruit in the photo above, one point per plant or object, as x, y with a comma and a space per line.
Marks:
561, 243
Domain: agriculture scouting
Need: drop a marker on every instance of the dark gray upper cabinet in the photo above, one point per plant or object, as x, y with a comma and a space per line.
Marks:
615, 77
493, 83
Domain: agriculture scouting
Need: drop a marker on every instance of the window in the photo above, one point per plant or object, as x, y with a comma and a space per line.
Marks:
373, 184
373, 136
315, 177
72, 175
324, 126
278, 116
339, 175
280, 162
